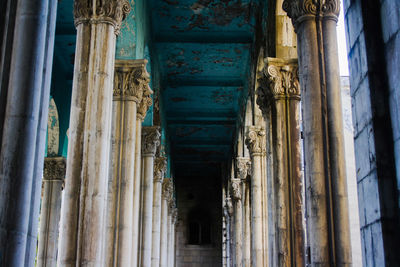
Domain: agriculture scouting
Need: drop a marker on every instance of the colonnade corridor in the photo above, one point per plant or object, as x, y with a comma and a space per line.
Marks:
195, 133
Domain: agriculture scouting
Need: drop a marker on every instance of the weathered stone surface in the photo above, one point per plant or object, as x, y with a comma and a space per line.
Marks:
53, 180
110, 12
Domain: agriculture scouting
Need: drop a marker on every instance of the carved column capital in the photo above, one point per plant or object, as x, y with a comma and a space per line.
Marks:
150, 140
101, 11
174, 216
160, 167
299, 10
171, 204
131, 80
256, 141
54, 169
279, 80
145, 104
167, 189
243, 168
236, 189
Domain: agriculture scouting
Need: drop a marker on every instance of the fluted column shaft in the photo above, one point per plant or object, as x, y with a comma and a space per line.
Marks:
130, 83
25, 74
246, 224
328, 219
243, 166
255, 142
160, 167
238, 217
171, 234
279, 94
83, 208
167, 189
228, 210
150, 141
136, 207
53, 180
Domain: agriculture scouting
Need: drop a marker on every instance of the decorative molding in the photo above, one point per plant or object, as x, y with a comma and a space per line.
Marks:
167, 189
101, 11
54, 169
243, 168
171, 204
256, 141
160, 167
131, 80
279, 80
150, 140
236, 189
174, 216
144, 105
299, 10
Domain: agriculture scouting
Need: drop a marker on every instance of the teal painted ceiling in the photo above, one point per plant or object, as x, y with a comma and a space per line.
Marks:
202, 50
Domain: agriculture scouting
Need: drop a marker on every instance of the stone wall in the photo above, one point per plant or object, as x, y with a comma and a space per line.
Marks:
374, 59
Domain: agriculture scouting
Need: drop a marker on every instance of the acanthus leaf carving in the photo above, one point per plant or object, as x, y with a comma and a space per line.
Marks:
131, 80
167, 188
101, 11
174, 216
236, 189
171, 205
145, 104
54, 168
256, 141
160, 167
299, 9
243, 166
150, 140
280, 80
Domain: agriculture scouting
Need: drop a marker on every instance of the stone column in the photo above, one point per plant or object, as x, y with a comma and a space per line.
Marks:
228, 212
226, 234
279, 93
169, 237
160, 167
130, 81
25, 74
150, 142
255, 142
83, 208
141, 114
167, 189
244, 171
238, 230
325, 173
53, 180
171, 247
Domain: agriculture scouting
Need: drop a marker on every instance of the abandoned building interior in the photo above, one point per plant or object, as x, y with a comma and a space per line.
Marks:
188, 133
